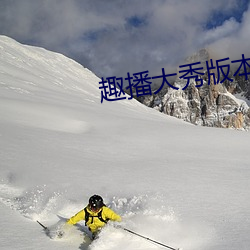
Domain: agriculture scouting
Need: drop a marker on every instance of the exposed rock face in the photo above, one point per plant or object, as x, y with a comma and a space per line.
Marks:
213, 105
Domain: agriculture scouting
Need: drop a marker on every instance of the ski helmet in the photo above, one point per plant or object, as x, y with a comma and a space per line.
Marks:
95, 202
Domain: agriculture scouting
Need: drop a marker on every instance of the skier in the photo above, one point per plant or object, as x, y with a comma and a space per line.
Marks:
95, 214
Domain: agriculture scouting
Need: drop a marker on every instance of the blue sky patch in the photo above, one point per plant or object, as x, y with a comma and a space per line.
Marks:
136, 21
220, 16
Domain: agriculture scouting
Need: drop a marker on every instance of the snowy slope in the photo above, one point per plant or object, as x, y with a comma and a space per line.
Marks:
59, 145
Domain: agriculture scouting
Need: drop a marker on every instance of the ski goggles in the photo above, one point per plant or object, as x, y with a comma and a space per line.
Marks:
94, 208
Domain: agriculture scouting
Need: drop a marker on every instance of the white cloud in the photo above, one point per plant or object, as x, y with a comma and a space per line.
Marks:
236, 42
228, 28
98, 34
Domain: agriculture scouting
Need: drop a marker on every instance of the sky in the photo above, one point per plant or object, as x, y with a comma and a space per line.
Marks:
113, 37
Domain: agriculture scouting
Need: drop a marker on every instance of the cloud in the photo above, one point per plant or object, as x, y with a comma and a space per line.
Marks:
235, 43
113, 37
228, 28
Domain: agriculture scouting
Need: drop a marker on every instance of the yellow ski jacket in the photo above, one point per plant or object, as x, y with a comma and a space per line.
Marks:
94, 223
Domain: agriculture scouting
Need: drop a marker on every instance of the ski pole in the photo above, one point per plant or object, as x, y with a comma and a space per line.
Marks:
45, 228
146, 238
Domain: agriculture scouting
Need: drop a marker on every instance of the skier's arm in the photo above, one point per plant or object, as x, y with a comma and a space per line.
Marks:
77, 217
110, 214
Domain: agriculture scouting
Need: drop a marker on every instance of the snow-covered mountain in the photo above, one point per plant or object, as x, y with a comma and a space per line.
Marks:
224, 105
182, 185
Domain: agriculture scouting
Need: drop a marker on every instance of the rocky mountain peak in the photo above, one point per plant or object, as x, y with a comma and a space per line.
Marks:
224, 105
